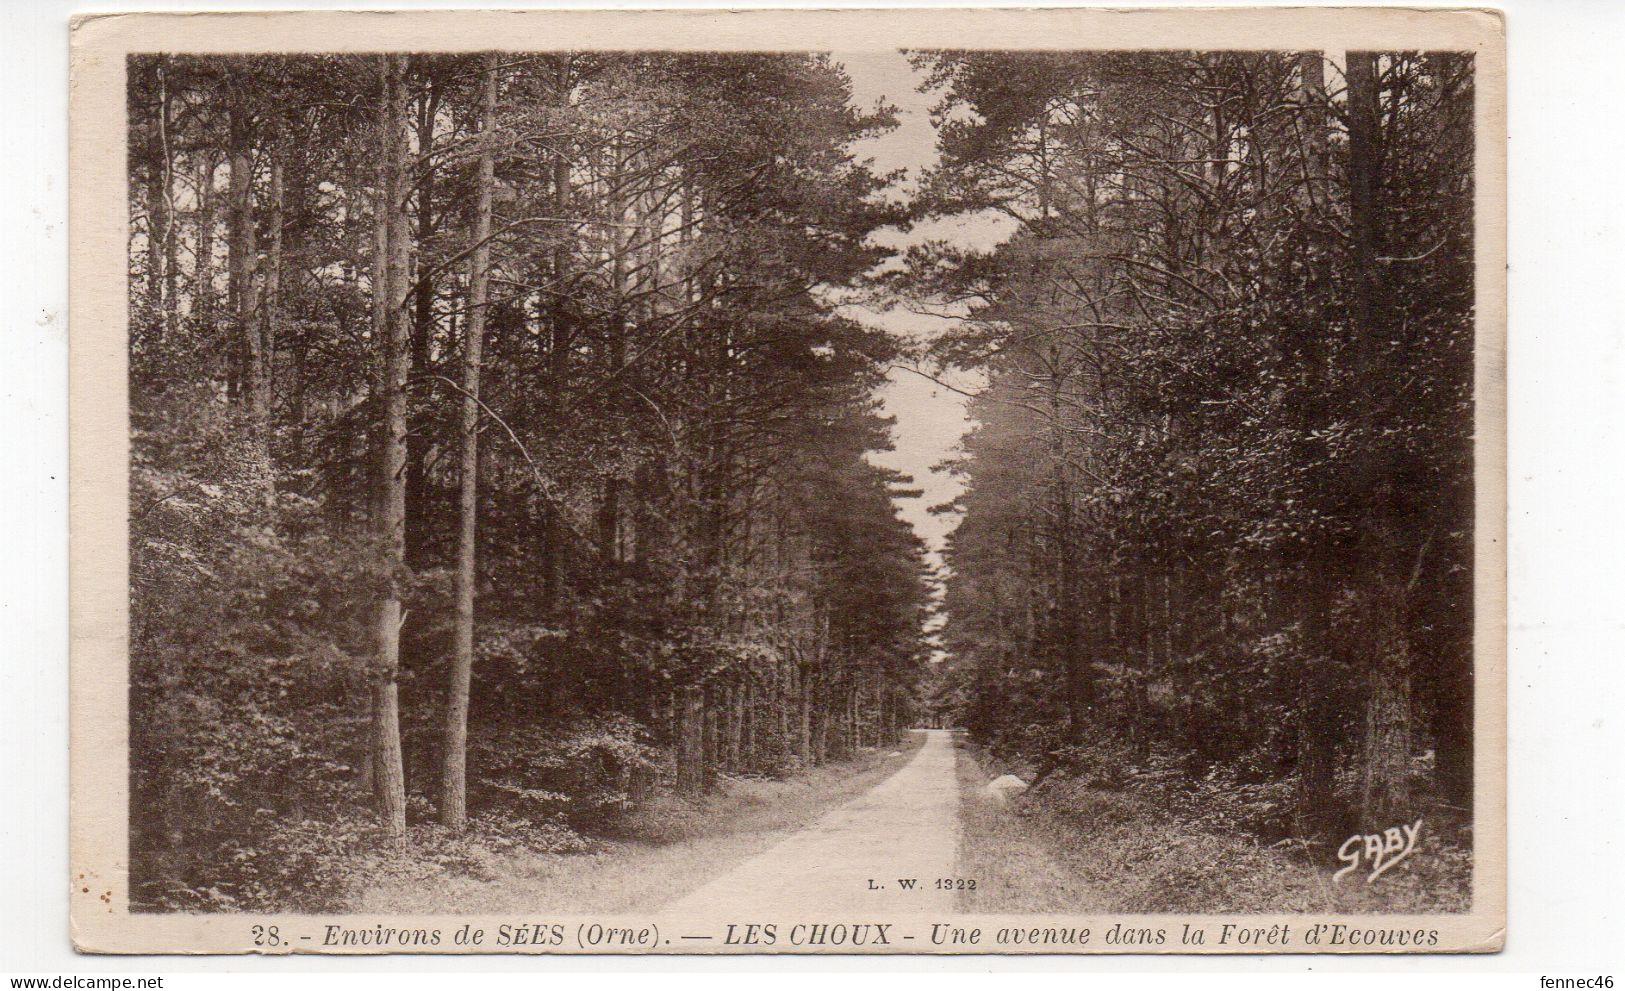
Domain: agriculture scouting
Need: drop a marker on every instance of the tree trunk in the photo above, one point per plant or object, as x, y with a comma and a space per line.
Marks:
1453, 731
1317, 723
782, 696
1065, 619
272, 305
203, 298
160, 253
454, 784
157, 227
734, 701
253, 380
747, 723
804, 716
1386, 726
691, 742
395, 339
554, 573
170, 240
423, 329
1365, 183
1386, 732
609, 510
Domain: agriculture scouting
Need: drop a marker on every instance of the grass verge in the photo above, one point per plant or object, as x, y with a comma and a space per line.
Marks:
668, 848
1015, 868
1067, 848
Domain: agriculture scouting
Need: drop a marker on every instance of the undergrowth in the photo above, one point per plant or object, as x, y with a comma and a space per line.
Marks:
1149, 844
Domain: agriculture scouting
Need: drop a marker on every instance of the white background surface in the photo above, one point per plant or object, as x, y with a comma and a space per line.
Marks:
1567, 593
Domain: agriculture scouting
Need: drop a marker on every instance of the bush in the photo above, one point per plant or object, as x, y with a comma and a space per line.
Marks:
589, 775
284, 865
1223, 801
1107, 763
479, 852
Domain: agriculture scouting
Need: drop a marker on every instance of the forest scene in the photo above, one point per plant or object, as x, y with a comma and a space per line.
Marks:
516, 518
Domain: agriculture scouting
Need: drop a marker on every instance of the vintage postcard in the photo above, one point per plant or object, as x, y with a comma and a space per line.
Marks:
795, 481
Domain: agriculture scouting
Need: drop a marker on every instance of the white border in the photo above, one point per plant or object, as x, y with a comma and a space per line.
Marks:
1567, 388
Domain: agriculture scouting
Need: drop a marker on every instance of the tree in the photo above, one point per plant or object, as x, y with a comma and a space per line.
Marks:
391, 331
1222, 372
556, 493
454, 786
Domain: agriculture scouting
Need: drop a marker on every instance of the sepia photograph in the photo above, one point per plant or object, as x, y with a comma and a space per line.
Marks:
802, 498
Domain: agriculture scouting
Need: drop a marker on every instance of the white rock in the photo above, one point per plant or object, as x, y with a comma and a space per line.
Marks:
1004, 787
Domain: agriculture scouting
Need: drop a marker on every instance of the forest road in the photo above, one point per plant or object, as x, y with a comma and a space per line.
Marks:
853, 864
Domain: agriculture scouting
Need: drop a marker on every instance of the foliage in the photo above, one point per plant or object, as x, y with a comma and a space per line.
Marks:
1218, 500
1166, 843
680, 544
586, 774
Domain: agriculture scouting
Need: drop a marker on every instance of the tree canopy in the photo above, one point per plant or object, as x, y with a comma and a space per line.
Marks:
1218, 507
498, 392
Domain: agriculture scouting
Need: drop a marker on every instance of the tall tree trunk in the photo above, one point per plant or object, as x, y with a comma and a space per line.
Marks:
804, 709
733, 704
609, 511
1316, 712
203, 295
395, 339
271, 307
1385, 743
158, 208
691, 741
454, 784
168, 237
1068, 601
253, 376
1386, 727
782, 695
1365, 182
423, 328
711, 752
554, 531
749, 722
157, 224
820, 722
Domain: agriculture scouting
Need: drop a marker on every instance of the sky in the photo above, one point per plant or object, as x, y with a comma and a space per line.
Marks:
930, 418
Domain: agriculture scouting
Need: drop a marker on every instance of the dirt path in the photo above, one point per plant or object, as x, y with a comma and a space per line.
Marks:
905, 827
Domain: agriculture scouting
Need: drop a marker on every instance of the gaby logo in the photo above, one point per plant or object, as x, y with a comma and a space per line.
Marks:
1380, 850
